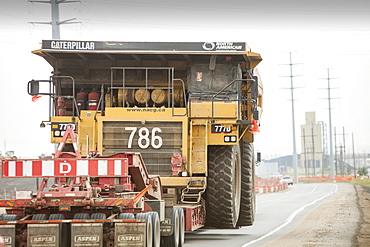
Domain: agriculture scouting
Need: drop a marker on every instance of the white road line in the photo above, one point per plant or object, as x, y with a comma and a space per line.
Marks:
290, 218
313, 190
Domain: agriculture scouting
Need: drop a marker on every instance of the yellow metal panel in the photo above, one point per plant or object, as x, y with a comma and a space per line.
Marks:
144, 113
87, 132
223, 133
54, 125
203, 109
178, 181
198, 146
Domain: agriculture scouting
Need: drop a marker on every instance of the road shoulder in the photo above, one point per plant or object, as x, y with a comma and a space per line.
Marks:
334, 223
363, 233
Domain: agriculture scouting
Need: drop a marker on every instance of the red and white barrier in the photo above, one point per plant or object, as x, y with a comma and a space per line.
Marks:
65, 168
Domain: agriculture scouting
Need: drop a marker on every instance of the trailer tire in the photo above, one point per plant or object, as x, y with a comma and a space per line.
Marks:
98, 216
126, 216
173, 239
224, 186
149, 227
9, 217
248, 193
180, 213
56, 217
39, 217
156, 229
81, 216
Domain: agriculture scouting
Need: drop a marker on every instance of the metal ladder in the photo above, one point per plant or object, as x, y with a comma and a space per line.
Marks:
198, 145
193, 191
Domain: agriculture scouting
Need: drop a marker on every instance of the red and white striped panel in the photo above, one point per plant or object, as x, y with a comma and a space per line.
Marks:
65, 168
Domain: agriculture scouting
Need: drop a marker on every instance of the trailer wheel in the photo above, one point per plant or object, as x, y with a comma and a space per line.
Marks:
149, 227
156, 229
56, 217
81, 216
9, 217
126, 216
98, 216
248, 193
39, 217
224, 186
180, 213
173, 239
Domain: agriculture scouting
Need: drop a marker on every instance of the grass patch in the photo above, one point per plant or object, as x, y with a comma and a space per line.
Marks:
361, 181
313, 180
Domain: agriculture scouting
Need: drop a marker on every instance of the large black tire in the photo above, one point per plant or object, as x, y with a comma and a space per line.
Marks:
56, 217
248, 193
149, 228
224, 186
98, 216
173, 240
156, 229
180, 213
10, 217
126, 216
39, 217
81, 216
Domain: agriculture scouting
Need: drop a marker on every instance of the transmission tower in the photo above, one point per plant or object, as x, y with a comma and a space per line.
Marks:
331, 157
55, 23
295, 160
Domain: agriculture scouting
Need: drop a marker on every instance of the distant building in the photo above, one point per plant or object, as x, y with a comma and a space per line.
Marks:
312, 146
266, 169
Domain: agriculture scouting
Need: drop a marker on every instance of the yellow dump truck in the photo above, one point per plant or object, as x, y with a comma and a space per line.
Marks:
190, 109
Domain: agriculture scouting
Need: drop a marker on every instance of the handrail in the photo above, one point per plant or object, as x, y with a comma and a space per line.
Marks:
170, 85
173, 98
73, 90
225, 87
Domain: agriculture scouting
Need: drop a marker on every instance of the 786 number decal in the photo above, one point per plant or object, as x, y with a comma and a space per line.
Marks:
146, 137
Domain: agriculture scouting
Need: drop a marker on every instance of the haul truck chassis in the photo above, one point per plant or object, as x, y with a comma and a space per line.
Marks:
189, 109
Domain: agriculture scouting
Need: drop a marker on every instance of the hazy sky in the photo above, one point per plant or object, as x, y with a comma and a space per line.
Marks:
321, 34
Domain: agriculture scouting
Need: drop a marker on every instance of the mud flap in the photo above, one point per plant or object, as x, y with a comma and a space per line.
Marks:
8, 233
87, 234
130, 234
167, 223
41, 235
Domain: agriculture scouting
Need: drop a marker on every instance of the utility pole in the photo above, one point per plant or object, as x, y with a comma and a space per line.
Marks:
344, 153
353, 153
305, 152
55, 23
295, 163
325, 146
335, 152
331, 157
313, 152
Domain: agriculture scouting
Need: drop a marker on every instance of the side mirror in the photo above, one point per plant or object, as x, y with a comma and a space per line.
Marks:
40, 87
255, 87
33, 87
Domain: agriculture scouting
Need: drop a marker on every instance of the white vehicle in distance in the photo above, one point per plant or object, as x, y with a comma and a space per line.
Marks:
286, 179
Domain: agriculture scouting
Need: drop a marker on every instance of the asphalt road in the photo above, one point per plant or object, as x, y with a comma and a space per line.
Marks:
277, 214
